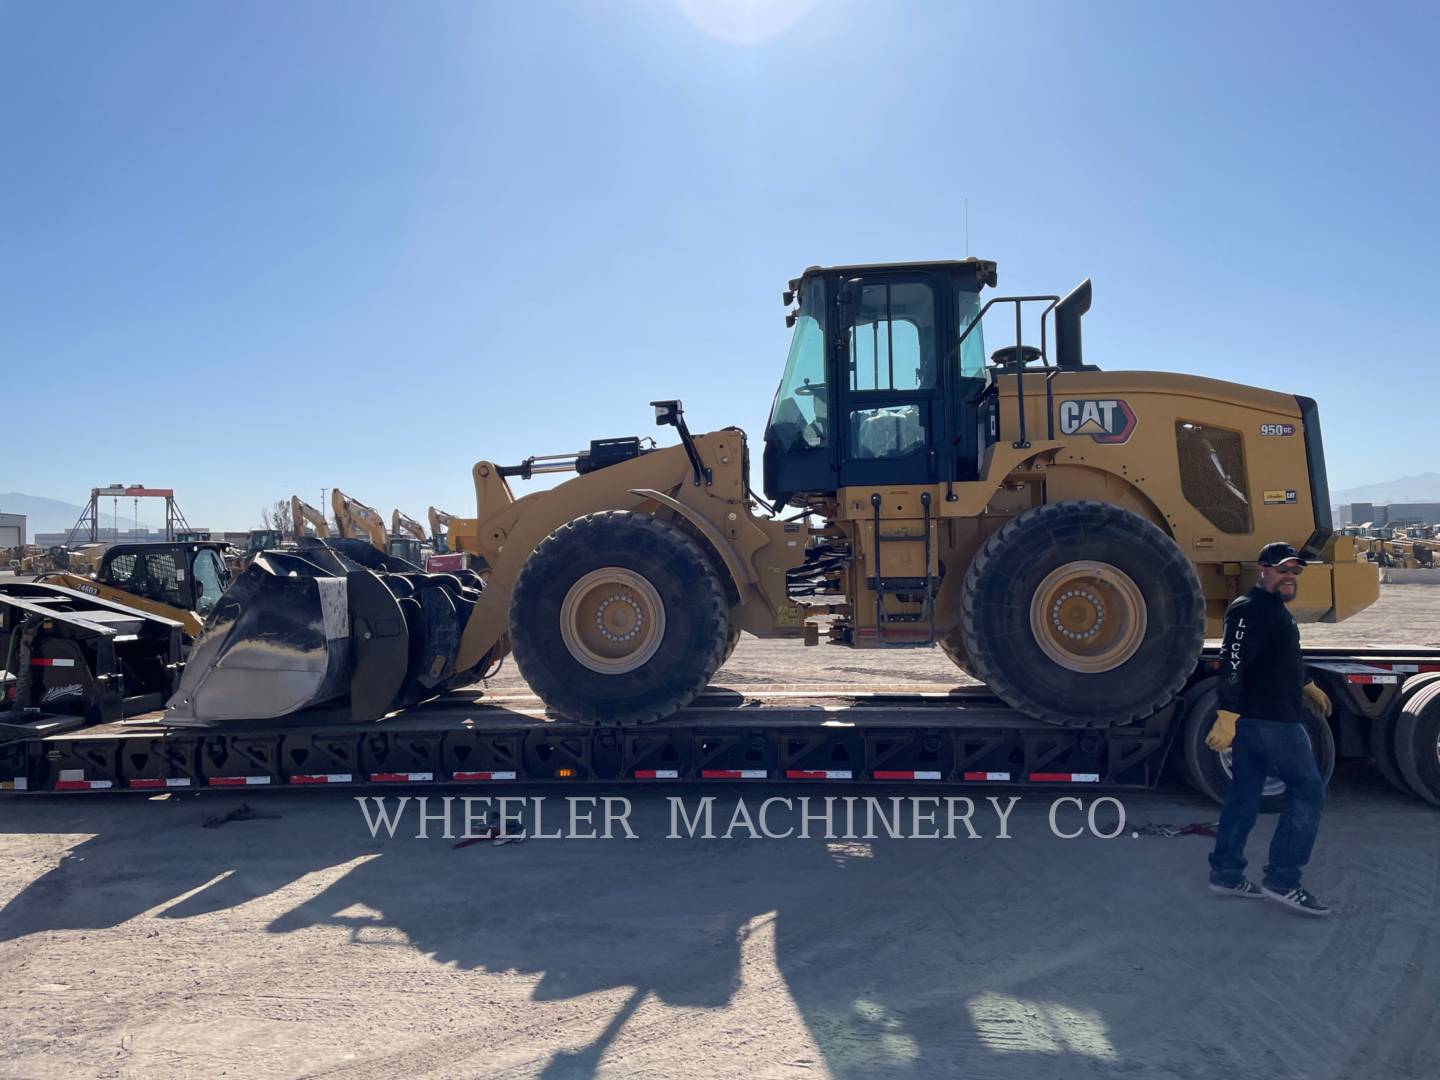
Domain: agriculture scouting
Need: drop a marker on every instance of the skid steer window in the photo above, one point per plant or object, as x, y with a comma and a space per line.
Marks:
1212, 474
799, 419
208, 580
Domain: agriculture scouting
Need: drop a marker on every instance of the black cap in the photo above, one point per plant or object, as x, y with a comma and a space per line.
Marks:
1277, 553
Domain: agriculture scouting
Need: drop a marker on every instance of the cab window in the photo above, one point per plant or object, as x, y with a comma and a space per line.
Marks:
799, 418
892, 340
209, 580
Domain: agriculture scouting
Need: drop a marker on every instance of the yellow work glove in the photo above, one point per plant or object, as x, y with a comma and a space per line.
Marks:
1222, 732
1317, 699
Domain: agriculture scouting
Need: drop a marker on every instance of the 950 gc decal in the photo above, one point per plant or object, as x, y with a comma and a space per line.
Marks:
1106, 420
1277, 429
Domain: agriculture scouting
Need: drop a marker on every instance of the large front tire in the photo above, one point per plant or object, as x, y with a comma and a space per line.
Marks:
1082, 614
618, 618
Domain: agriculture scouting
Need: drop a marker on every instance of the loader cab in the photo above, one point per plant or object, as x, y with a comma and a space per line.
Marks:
188, 576
878, 387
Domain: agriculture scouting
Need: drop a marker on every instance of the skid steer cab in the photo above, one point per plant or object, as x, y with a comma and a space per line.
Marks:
178, 581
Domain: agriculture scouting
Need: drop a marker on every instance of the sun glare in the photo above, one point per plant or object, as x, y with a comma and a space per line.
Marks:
745, 22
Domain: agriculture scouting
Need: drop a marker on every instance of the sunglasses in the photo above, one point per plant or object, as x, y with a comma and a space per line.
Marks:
1292, 571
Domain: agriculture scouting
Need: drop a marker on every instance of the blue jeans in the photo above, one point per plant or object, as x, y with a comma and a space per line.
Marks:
1259, 746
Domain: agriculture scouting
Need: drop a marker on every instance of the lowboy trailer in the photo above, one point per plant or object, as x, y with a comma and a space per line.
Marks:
1386, 708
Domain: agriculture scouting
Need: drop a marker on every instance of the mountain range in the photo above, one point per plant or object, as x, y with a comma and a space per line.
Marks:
53, 516
1422, 488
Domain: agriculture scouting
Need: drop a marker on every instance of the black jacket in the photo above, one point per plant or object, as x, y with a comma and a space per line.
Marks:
1261, 674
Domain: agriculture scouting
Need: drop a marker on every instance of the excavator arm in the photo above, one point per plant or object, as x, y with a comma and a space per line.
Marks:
356, 520
302, 513
439, 529
404, 523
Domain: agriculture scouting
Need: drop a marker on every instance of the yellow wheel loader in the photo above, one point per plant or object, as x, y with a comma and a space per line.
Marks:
1066, 534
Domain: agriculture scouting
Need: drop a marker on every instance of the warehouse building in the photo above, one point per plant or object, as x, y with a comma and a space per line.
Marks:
12, 530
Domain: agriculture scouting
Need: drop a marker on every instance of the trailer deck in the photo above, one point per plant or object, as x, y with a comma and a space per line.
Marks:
926, 733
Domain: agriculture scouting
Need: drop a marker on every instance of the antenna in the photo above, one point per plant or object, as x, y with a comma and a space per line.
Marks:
967, 226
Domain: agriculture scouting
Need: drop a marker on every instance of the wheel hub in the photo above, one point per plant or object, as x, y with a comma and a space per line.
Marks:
1088, 616
612, 620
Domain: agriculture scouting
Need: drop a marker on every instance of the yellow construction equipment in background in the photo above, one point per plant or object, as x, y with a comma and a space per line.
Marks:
179, 581
439, 527
302, 513
355, 520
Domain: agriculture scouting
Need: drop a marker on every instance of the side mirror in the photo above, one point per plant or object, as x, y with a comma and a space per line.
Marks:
849, 291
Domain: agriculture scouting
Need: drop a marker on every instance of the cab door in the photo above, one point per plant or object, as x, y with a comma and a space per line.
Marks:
888, 362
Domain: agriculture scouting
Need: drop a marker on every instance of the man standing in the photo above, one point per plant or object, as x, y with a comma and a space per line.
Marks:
1262, 694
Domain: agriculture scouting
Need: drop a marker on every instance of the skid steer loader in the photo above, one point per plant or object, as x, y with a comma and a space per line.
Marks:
1067, 535
181, 582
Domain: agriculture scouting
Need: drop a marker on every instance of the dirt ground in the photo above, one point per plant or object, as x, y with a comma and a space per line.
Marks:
134, 942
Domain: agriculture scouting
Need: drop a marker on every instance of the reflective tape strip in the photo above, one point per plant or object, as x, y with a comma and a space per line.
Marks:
1372, 680
817, 774
657, 774
321, 778
987, 776
238, 781
400, 777
18, 784
733, 774
483, 776
1409, 669
160, 781
82, 785
902, 774
1065, 777
43, 661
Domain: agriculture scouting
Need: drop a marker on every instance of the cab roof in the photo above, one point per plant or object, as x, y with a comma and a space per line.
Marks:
984, 269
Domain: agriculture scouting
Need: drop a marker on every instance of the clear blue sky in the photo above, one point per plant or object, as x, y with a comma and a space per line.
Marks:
251, 249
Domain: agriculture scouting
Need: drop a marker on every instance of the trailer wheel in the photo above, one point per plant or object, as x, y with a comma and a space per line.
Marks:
1417, 743
1382, 733
1082, 614
1208, 771
618, 618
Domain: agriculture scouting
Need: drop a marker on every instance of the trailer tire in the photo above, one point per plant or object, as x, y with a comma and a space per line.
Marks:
1083, 614
1417, 743
618, 618
1208, 771
1382, 733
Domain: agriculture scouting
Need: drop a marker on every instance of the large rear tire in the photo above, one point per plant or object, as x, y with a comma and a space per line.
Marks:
1382, 733
1082, 614
618, 618
1208, 771
1417, 743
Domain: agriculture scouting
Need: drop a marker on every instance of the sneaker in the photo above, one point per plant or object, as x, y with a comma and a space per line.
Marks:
1297, 898
1245, 888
